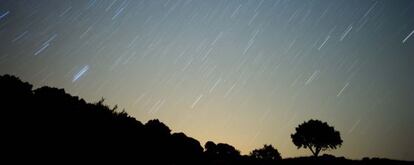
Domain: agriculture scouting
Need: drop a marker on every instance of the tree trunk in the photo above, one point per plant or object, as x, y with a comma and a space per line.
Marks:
317, 150
313, 152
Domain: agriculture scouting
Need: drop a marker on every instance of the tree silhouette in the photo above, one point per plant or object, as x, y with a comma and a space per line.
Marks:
266, 153
185, 149
220, 151
156, 128
317, 136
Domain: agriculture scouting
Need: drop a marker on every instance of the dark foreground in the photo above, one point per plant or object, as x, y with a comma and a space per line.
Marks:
49, 125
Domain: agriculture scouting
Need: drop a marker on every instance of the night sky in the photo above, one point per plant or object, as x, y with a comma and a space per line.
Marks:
239, 72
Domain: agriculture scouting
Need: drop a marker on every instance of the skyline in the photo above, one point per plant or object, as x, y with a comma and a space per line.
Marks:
244, 73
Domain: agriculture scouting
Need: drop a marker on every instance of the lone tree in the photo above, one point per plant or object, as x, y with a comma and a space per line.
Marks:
317, 136
267, 153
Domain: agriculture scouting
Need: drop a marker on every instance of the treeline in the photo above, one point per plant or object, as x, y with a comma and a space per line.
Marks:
47, 123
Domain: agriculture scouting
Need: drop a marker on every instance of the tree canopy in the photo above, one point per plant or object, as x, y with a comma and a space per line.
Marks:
317, 136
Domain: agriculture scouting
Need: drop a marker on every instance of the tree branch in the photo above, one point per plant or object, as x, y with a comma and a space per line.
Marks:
313, 152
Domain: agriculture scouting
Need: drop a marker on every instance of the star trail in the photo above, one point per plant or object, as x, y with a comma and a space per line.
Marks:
243, 72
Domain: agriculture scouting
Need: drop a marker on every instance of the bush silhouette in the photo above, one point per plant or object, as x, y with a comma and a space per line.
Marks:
267, 153
221, 152
185, 149
317, 136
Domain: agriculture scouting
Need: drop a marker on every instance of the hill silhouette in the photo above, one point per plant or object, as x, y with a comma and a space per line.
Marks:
48, 123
